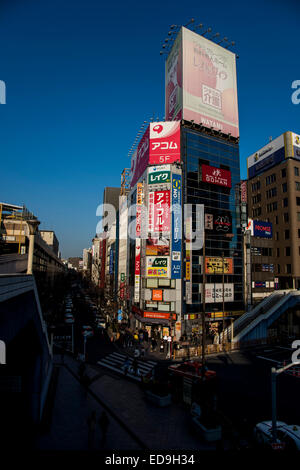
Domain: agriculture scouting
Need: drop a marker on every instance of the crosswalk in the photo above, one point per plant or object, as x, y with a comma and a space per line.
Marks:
115, 361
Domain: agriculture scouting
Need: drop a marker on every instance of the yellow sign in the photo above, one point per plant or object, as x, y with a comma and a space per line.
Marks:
215, 265
188, 270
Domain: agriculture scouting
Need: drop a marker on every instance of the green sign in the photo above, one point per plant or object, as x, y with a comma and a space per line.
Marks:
122, 277
160, 263
159, 177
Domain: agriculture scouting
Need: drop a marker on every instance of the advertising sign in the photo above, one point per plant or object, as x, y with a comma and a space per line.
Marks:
140, 158
266, 157
215, 265
211, 174
208, 81
158, 244
159, 211
159, 174
164, 142
176, 227
219, 223
262, 229
188, 271
161, 315
173, 79
157, 294
111, 261
214, 293
244, 196
157, 266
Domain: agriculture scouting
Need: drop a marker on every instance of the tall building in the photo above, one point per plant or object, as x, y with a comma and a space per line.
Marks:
274, 207
192, 159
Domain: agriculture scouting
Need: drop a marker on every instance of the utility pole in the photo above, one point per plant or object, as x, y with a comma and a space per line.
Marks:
203, 311
274, 373
223, 327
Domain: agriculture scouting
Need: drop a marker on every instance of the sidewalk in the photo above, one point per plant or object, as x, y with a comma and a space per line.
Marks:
156, 428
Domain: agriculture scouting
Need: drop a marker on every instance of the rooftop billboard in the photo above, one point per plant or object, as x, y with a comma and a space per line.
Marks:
201, 83
266, 157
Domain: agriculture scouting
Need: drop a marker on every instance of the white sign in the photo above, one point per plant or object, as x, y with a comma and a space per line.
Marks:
296, 139
266, 151
214, 293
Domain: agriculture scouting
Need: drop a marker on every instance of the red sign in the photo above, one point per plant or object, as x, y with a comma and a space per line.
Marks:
211, 174
164, 142
102, 272
137, 256
159, 211
156, 315
160, 144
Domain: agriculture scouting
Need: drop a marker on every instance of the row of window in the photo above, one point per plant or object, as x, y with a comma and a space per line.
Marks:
272, 178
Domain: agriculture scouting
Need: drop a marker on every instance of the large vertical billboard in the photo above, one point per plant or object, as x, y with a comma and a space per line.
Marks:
201, 83
159, 211
137, 271
159, 145
176, 227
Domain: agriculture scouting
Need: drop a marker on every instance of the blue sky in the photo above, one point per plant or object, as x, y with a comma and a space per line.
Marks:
82, 76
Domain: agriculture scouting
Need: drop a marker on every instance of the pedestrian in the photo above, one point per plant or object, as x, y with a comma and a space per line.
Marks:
91, 422
126, 365
137, 352
103, 423
153, 344
135, 366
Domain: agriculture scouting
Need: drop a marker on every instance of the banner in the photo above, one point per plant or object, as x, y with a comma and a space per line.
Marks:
159, 211
215, 265
157, 266
159, 174
158, 244
176, 227
214, 293
262, 229
218, 176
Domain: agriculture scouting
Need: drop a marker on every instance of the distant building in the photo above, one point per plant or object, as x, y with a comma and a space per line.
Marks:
50, 238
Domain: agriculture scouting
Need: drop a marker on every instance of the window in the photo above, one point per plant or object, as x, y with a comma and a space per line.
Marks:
271, 193
297, 183
284, 187
283, 173
288, 268
256, 199
298, 219
287, 251
285, 202
278, 252
256, 212
277, 236
270, 179
286, 234
278, 268
286, 216
298, 201
296, 171
276, 219
298, 232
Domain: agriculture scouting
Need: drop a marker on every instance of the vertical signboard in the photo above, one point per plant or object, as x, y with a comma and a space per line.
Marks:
139, 202
159, 211
188, 263
176, 227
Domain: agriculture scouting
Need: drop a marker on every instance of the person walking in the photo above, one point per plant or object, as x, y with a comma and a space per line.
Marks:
135, 366
103, 423
91, 422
